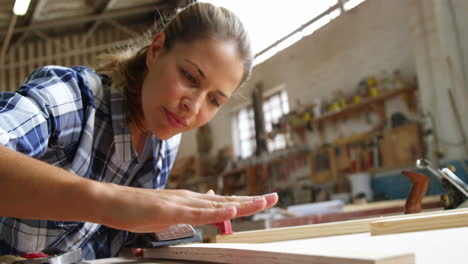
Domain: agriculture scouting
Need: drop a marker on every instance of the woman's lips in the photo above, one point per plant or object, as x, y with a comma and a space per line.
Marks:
174, 120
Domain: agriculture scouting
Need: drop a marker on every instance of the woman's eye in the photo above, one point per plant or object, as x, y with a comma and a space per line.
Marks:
189, 77
214, 101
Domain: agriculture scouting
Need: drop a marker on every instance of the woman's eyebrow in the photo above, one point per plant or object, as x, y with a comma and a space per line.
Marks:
198, 68
221, 93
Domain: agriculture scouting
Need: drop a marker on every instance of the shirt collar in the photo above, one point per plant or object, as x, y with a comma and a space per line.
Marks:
122, 138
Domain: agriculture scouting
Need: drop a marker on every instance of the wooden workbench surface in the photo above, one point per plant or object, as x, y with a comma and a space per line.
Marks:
429, 247
441, 239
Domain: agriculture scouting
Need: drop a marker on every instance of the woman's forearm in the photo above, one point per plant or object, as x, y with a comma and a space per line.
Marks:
33, 189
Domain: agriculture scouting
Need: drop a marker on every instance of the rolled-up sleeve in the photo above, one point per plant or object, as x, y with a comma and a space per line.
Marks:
47, 111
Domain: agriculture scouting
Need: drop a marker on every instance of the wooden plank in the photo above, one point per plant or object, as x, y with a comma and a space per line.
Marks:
420, 222
74, 45
429, 247
124, 260
57, 50
386, 204
12, 80
271, 253
29, 61
298, 232
49, 54
21, 60
374, 211
65, 51
321, 230
40, 51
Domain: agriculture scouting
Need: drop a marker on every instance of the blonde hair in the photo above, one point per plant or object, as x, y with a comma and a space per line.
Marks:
127, 67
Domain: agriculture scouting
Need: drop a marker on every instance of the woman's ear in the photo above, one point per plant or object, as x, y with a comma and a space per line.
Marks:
155, 48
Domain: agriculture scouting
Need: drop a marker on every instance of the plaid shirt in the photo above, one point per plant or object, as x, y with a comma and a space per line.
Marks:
74, 119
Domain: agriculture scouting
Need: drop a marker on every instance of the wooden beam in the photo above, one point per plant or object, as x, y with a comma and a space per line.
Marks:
327, 229
420, 222
268, 253
386, 204
121, 27
6, 40
102, 6
298, 232
77, 20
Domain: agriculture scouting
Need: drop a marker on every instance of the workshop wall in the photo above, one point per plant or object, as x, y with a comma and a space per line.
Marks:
460, 8
70, 50
439, 64
370, 38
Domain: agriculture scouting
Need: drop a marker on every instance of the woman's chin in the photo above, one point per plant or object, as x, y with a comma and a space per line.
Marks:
164, 135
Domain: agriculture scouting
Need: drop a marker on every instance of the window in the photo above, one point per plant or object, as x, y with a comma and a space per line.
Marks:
274, 107
244, 133
297, 18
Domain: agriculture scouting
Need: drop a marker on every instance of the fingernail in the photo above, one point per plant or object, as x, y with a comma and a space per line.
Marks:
231, 211
258, 200
271, 195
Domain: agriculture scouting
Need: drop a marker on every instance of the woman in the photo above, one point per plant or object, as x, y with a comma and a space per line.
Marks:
113, 136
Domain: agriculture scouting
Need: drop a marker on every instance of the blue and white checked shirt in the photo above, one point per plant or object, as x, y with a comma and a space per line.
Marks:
73, 118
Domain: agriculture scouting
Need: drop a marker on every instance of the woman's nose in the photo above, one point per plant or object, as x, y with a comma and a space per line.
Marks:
192, 103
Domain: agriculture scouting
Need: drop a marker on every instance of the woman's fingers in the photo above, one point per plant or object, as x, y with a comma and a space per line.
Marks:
204, 216
251, 207
245, 205
248, 207
271, 199
171, 207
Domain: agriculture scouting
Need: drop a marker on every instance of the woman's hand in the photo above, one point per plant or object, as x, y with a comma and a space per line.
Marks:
145, 210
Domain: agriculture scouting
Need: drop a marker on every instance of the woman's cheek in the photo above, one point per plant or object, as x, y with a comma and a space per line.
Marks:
206, 117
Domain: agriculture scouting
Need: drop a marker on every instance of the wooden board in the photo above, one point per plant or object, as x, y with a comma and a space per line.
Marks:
298, 232
124, 260
263, 253
429, 247
387, 204
420, 222
345, 227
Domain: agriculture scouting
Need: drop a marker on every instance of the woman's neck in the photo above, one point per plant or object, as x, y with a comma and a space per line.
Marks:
138, 137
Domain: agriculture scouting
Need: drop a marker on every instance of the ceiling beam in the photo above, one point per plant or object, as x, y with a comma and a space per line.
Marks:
121, 27
78, 20
101, 9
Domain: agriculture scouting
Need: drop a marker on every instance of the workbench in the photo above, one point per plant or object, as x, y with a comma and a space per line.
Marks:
382, 244
428, 247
